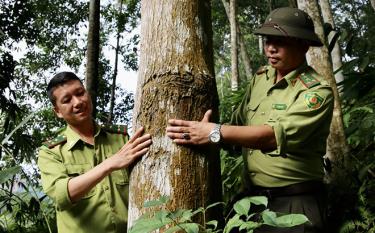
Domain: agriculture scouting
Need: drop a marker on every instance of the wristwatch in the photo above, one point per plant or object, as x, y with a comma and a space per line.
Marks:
215, 135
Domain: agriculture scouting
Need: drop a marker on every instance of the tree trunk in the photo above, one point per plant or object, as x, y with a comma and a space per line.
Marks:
114, 77
336, 52
293, 3
372, 4
176, 80
93, 52
233, 44
243, 51
319, 58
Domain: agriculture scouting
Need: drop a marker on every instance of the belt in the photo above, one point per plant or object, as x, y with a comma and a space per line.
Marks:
308, 187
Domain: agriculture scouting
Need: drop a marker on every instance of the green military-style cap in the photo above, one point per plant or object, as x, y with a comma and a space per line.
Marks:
289, 22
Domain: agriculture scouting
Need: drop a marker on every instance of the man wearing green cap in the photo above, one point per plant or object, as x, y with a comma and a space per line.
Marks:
283, 122
84, 169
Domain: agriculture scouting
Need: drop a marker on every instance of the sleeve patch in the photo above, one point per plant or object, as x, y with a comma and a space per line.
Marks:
313, 100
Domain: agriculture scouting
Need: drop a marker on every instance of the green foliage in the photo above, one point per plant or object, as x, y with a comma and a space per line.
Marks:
357, 187
243, 218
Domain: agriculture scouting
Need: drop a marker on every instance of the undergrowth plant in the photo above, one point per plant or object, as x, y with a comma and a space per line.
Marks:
181, 220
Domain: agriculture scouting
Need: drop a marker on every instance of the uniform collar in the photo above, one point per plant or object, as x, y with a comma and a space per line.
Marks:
291, 77
72, 137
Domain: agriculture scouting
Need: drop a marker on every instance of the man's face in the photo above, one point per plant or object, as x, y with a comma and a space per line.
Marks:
283, 53
73, 103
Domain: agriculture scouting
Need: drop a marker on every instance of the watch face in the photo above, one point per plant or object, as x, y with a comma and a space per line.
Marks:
215, 137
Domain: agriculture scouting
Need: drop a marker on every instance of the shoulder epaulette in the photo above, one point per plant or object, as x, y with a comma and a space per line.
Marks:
55, 141
308, 80
120, 129
261, 70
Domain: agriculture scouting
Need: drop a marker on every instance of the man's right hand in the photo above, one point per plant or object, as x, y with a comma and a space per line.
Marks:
137, 146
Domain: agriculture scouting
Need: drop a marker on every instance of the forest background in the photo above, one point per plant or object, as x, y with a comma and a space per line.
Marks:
54, 34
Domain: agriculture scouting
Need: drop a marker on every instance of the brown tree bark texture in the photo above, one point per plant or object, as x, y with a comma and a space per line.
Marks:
176, 80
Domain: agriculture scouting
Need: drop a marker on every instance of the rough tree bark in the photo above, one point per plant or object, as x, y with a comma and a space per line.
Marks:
233, 44
336, 52
319, 58
176, 80
92, 70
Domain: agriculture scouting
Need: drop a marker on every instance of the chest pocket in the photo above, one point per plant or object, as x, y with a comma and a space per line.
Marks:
74, 170
278, 110
251, 109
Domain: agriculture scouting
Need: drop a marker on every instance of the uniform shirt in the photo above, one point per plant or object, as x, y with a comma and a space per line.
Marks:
104, 208
299, 109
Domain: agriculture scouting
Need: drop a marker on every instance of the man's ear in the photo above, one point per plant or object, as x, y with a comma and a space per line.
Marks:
57, 112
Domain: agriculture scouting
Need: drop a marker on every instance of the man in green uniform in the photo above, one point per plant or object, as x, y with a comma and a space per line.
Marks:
285, 118
84, 168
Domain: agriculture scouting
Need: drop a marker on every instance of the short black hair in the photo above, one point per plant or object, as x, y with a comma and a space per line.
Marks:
58, 80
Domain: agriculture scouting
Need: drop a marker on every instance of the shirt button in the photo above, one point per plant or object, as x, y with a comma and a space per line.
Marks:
252, 174
106, 187
262, 113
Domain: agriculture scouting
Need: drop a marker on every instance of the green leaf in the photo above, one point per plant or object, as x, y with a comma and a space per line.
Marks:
288, 220
8, 173
232, 223
197, 211
269, 217
186, 216
147, 225
250, 226
187, 227
176, 214
242, 206
162, 200
258, 200
291, 220
18, 126
213, 223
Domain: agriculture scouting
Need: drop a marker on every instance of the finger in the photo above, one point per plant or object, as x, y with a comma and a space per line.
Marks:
141, 152
175, 122
142, 145
175, 135
137, 134
207, 116
177, 129
180, 141
141, 139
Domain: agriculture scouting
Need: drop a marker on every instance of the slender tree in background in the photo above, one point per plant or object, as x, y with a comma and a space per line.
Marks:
93, 43
319, 58
336, 51
241, 42
373, 4
233, 44
176, 80
114, 76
